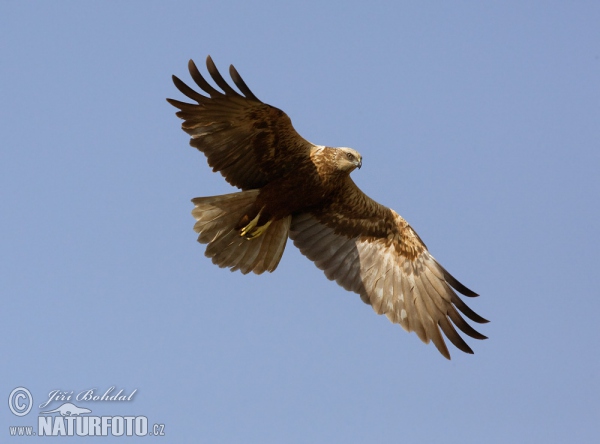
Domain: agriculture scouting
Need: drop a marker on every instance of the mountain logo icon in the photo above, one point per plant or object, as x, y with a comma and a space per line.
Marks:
68, 409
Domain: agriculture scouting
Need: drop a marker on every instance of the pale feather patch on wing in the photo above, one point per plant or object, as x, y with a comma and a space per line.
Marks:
411, 292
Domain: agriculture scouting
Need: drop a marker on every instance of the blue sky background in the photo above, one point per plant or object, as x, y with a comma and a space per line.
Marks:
479, 122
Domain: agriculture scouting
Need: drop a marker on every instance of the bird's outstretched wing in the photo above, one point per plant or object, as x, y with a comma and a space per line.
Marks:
249, 142
371, 250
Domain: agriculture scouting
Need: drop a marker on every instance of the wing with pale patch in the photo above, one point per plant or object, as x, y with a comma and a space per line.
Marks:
369, 249
249, 142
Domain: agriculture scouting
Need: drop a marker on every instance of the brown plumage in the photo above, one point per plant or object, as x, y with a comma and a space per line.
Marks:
291, 187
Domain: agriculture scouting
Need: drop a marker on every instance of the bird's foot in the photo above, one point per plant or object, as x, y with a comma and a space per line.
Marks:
251, 230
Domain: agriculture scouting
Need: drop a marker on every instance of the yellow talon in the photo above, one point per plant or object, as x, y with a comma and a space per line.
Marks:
257, 231
251, 231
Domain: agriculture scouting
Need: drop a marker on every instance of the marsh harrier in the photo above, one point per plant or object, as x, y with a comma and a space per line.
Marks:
293, 188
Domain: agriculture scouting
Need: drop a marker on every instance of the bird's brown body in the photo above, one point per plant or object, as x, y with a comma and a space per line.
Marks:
306, 186
291, 187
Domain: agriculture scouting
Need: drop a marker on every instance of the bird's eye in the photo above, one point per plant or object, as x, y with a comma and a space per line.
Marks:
350, 156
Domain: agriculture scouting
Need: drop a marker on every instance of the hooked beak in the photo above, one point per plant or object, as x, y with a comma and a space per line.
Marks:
359, 163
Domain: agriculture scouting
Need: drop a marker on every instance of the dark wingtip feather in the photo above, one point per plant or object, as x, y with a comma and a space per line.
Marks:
239, 82
436, 337
200, 81
463, 325
181, 86
218, 78
183, 106
458, 303
453, 335
456, 284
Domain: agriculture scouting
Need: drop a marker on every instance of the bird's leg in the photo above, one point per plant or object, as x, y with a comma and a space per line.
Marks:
251, 230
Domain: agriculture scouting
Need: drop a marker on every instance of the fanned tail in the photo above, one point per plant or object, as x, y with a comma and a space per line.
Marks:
217, 217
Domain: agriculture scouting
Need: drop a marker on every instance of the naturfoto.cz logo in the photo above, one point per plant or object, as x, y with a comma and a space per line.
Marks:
70, 419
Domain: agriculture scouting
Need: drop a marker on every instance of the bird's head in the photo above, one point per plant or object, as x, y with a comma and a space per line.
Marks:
348, 159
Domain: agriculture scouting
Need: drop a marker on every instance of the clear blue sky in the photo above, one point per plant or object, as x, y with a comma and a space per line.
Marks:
479, 122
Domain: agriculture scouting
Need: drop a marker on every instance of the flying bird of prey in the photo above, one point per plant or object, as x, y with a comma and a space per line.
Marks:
291, 187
